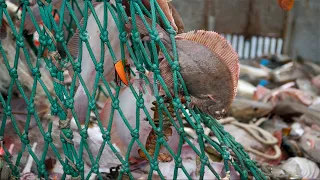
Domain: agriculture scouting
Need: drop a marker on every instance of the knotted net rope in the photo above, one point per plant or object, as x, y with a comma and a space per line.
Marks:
62, 102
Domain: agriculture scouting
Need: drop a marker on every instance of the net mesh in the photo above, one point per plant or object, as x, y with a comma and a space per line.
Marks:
62, 98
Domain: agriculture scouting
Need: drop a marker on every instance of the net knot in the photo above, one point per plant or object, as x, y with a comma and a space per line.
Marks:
84, 35
20, 41
226, 155
123, 37
35, 72
125, 168
181, 132
42, 169
140, 68
135, 133
49, 41
66, 136
25, 139
179, 162
77, 67
59, 36
48, 137
154, 35
67, 169
104, 36
53, 72
84, 133
106, 136
199, 130
80, 165
155, 69
249, 162
13, 73
69, 103
99, 67
92, 104
136, 37
54, 108
175, 66
43, 40
8, 111
160, 135
171, 31
204, 160
95, 168
176, 103
155, 165
140, 103
3, 4
188, 99
31, 108
115, 104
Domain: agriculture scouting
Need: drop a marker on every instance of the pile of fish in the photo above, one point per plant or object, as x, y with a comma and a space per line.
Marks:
276, 115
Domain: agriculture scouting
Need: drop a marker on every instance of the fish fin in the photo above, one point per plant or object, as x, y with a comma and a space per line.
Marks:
166, 74
3, 30
73, 44
221, 48
81, 104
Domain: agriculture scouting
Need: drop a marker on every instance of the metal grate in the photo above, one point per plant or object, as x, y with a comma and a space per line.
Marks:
256, 46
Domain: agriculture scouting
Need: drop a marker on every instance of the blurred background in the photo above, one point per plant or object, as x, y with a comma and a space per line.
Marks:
258, 27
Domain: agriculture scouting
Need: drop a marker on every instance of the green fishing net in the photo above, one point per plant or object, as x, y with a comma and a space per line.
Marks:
62, 100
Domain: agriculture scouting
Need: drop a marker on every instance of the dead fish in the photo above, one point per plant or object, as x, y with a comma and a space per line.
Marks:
89, 72
309, 142
254, 73
289, 93
127, 103
208, 64
288, 108
288, 72
286, 4
246, 110
260, 92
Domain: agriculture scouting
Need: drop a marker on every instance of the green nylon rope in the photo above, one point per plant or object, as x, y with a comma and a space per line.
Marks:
62, 101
